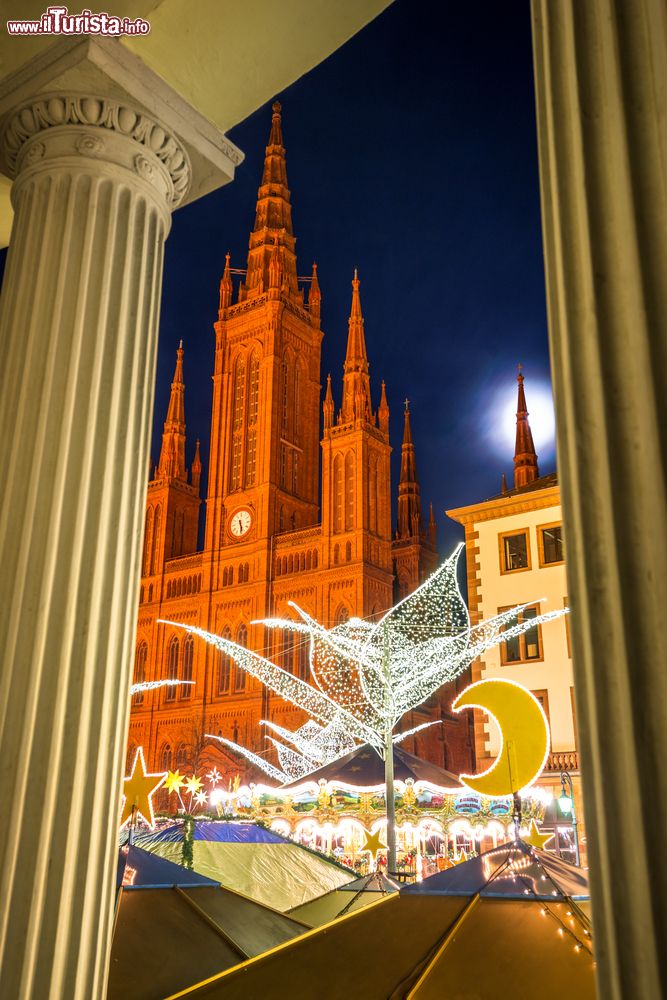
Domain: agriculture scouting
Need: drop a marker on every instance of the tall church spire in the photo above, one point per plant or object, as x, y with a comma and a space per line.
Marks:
356, 382
409, 502
273, 218
525, 458
172, 453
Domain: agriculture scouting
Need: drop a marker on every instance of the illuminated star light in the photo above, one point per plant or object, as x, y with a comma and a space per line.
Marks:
174, 781
193, 785
214, 777
373, 843
535, 838
138, 791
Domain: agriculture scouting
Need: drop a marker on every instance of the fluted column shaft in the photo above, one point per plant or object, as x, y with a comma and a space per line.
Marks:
94, 186
601, 85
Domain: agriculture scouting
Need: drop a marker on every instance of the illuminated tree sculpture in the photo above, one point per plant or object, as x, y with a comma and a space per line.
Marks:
367, 675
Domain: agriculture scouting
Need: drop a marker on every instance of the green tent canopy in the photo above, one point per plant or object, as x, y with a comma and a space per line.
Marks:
251, 860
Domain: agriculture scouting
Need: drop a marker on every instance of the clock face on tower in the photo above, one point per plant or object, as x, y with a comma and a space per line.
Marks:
240, 522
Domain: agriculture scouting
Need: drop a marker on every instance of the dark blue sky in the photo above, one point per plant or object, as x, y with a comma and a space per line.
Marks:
411, 154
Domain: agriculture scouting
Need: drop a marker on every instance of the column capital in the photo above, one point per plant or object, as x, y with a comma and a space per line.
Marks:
97, 84
58, 126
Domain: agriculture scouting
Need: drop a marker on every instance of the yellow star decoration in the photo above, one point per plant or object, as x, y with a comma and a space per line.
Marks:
461, 858
535, 838
193, 785
174, 781
373, 843
138, 792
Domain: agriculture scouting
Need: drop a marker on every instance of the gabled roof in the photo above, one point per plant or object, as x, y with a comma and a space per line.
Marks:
364, 767
512, 871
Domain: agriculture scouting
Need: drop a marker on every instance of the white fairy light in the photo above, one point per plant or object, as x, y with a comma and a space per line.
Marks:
368, 675
151, 685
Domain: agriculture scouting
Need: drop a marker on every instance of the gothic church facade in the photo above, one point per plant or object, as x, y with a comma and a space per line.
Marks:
273, 532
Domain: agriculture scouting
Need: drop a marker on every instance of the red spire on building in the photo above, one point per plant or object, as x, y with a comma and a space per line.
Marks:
172, 453
273, 219
195, 472
226, 287
356, 382
409, 501
314, 298
383, 410
525, 458
432, 531
328, 406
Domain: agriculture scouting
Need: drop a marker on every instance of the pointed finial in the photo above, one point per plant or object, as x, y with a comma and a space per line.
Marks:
406, 403
180, 344
503, 483
276, 107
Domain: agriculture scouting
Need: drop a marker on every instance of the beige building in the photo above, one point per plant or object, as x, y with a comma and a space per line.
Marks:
514, 551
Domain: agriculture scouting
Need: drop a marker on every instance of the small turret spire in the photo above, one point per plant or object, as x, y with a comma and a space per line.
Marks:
525, 458
432, 527
409, 502
226, 287
172, 453
328, 406
383, 410
356, 383
314, 298
195, 473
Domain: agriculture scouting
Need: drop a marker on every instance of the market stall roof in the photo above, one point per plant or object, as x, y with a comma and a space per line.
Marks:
252, 860
173, 926
141, 869
424, 947
364, 767
352, 896
512, 870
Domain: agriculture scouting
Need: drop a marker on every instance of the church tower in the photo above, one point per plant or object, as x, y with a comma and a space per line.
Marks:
172, 504
266, 383
525, 458
356, 498
414, 550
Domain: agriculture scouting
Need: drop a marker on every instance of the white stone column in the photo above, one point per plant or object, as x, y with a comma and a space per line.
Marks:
96, 178
601, 83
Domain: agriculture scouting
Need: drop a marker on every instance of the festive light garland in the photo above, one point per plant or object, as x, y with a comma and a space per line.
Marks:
151, 685
368, 675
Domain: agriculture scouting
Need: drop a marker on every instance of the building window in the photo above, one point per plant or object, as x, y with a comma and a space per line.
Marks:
235, 483
342, 615
148, 542
156, 540
525, 647
295, 473
181, 755
287, 653
297, 401
283, 466
188, 655
349, 491
140, 671
514, 551
543, 698
224, 666
172, 669
339, 497
165, 757
253, 395
239, 676
285, 392
303, 657
550, 544
251, 458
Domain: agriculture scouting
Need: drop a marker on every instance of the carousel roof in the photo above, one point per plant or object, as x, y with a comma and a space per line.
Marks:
363, 766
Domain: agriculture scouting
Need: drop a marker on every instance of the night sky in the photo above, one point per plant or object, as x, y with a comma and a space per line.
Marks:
411, 154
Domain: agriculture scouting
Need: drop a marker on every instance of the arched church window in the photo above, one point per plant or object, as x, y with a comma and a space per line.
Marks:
297, 403
285, 393
302, 657
172, 668
348, 552
372, 495
129, 758
186, 675
156, 539
242, 640
287, 653
148, 542
338, 494
140, 671
349, 491
342, 615
295, 472
238, 407
224, 665
181, 755
165, 757
251, 457
253, 390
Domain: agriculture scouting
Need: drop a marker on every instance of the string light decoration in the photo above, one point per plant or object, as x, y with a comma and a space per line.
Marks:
151, 685
367, 675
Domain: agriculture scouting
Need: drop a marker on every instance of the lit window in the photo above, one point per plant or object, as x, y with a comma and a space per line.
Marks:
242, 640
140, 671
251, 458
172, 669
515, 552
188, 655
525, 647
224, 666
551, 544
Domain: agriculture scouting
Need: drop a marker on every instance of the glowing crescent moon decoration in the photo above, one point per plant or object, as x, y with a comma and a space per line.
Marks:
524, 735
